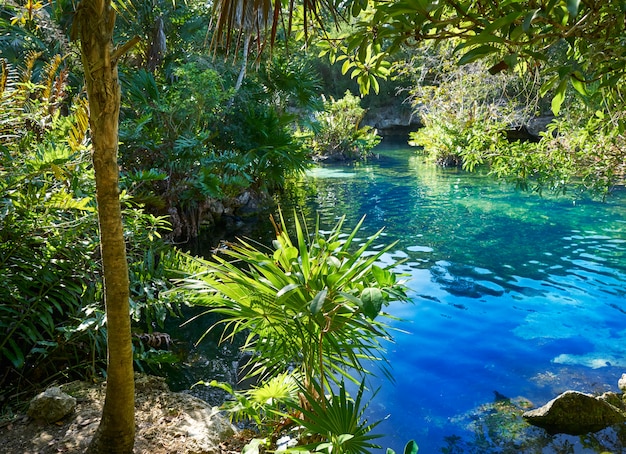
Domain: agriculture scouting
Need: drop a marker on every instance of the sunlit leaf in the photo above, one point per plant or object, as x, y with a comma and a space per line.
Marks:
477, 53
559, 97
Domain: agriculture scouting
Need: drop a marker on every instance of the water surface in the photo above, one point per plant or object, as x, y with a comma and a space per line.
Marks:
514, 296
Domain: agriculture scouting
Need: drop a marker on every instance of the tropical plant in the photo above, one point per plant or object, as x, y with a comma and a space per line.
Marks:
339, 134
44, 207
311, 304
264, 404
51, 311
339, 421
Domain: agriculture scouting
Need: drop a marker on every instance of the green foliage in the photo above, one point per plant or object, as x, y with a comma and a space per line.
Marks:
264, 404
47, 226
51, 307
187, 141
311, 304
514, 35
338, 420
464, 112
571, 155
338, 134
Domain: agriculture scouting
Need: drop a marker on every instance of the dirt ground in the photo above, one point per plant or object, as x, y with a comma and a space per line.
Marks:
166, 423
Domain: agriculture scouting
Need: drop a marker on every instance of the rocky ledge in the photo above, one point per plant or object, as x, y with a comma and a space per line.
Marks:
577, 413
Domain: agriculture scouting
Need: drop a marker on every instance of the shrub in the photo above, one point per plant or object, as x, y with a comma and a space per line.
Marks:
338, 134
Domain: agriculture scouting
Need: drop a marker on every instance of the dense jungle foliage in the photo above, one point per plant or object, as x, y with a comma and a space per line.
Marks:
205, 135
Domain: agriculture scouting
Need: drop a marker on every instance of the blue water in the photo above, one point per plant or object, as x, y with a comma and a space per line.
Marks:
513, 294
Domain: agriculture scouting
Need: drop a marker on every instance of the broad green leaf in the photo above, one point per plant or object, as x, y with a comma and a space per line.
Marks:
411, 447
578, 84
530, 17
372, 301
548, 84
318, 302
383, 277
374, 83
481, 38
344, 437
502, 24
333, 262
346, 66
253, 446
559, 96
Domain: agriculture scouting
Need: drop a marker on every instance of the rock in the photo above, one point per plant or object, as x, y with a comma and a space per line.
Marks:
51, 405
621, 383
203, 426
575, 413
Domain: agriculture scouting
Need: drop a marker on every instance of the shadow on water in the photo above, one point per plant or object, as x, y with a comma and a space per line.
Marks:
516, 298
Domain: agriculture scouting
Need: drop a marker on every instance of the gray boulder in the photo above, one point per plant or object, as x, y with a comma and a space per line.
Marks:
576, 413
51, 405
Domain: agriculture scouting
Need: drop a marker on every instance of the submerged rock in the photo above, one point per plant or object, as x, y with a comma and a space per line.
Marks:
577, 413
51, 405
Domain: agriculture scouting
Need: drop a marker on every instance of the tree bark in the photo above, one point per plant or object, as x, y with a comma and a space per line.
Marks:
95, 22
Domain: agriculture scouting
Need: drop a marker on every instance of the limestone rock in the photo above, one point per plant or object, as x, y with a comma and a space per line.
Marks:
51, 405
203, 426
575, 413
621, 383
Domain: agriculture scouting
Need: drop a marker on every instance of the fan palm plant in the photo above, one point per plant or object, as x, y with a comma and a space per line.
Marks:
338, 420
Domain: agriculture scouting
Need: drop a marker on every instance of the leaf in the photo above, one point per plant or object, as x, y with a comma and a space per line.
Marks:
411, 447
548, 85
318, 302
383, 277
572, 7
559, 96
530, 17
253, 446
481, 38
341, 439
286, 289
374, 83
346, 66
372, 301
578, 84
477, 53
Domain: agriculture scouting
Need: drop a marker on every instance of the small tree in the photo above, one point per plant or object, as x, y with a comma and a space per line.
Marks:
94, 24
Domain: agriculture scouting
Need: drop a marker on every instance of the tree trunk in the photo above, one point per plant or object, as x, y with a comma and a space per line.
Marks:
95, 22
244, 63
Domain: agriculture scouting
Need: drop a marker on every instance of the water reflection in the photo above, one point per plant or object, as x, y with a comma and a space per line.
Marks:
513, 293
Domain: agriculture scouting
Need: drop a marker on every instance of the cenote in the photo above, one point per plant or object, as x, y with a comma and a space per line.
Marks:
516, 297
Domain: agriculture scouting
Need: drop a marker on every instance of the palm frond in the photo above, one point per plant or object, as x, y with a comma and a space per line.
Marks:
262, 18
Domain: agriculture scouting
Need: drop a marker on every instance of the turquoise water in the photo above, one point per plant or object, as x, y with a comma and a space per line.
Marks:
514, 296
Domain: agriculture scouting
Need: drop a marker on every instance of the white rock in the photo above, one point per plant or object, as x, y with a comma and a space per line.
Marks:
622, 383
